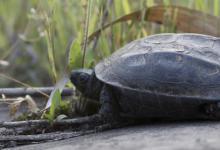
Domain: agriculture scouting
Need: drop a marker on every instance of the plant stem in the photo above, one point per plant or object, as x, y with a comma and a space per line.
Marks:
86, 28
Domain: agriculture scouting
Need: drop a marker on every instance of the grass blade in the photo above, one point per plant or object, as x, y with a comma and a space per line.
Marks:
216, 7
86, 27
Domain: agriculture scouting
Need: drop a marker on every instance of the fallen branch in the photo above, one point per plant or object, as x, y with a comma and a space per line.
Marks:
44, 137
14, 92
14, 140
18, 136
14, 124
64, 122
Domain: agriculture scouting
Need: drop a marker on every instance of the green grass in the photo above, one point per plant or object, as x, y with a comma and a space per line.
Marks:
35, 35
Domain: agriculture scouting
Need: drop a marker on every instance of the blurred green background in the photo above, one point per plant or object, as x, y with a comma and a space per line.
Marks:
35, 34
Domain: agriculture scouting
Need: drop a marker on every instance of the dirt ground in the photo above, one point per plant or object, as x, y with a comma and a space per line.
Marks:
166, 136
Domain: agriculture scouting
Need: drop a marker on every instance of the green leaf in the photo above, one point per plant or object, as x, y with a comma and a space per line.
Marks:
75, 56
59, 86
56, 100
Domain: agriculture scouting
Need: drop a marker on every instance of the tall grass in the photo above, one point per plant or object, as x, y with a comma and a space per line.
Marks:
34, 35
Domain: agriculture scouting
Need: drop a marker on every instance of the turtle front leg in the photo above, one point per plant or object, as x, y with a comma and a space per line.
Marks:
109, 107
108, 116
110, 110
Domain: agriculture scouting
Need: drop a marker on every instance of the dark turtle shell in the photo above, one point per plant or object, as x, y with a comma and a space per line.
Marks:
185, 65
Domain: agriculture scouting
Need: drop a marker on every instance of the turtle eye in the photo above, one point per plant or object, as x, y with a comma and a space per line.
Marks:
83, 79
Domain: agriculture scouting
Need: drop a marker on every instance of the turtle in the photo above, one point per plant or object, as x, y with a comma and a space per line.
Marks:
163, 76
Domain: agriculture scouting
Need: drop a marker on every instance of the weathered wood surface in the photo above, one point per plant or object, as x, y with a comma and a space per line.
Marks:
167, 136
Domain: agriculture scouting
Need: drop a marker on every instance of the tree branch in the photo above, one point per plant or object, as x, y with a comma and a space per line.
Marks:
44, 137
14, 140
35, 91
66, 122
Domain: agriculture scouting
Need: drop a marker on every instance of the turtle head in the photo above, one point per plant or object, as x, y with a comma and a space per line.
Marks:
80, 78
86, 82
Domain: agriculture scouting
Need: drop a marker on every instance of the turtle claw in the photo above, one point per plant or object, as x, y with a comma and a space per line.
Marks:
213, 110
